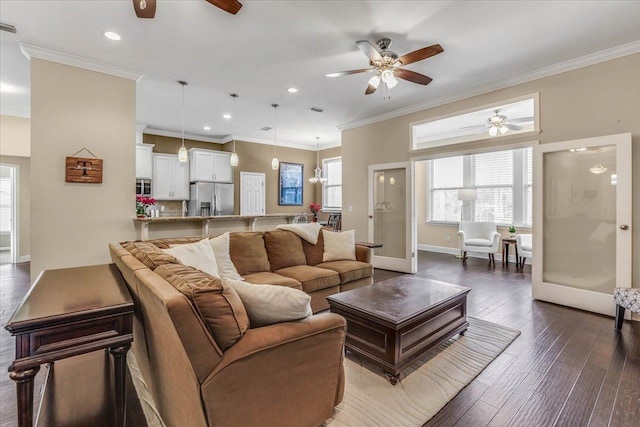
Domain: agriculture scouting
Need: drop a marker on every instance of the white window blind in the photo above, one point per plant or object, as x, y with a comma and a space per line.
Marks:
503, 180
332, 189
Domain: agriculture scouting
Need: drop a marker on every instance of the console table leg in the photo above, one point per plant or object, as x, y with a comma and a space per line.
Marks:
393, 378
24, 386
120, 375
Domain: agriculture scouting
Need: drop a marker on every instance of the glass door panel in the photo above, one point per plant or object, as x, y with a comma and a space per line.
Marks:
390, 216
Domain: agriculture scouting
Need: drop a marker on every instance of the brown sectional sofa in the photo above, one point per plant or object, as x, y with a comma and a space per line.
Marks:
286, 374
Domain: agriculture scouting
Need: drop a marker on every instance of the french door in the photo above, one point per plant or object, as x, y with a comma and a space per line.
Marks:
582, 221
392, 217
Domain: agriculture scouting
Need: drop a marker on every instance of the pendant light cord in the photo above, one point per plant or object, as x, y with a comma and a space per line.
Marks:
183, 83
275, 130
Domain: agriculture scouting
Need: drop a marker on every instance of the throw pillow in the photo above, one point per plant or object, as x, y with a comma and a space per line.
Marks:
197, 255
269, 304
339, 246
218, 304
220, 246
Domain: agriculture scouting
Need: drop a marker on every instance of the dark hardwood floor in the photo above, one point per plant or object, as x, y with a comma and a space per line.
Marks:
567, 368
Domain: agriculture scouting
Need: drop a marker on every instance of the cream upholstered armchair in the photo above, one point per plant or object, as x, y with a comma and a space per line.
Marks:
480, 237
524, 244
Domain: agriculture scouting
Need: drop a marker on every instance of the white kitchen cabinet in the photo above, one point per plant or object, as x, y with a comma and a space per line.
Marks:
209, 166
170, 178
144, 161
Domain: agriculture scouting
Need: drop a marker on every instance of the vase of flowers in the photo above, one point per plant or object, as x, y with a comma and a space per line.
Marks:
314, 208
142, 203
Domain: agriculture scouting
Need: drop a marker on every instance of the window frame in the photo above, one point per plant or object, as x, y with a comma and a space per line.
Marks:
326, 186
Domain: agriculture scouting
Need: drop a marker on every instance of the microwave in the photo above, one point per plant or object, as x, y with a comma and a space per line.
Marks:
143, 187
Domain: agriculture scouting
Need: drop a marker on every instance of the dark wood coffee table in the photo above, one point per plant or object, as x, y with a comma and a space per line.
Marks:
391, 323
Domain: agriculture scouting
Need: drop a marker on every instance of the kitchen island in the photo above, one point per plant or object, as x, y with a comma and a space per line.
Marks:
178, 226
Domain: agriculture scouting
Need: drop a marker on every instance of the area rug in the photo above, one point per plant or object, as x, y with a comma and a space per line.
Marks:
425, 387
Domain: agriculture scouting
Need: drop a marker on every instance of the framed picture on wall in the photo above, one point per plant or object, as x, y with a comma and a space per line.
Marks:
290, 189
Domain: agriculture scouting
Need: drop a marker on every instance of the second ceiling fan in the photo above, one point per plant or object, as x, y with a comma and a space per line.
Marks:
387, 64
147, 8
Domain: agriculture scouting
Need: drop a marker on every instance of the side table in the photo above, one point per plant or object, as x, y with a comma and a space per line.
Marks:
505, 250
68, 312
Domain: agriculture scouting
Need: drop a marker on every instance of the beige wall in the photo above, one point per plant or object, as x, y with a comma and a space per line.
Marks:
170, 145
24, 201
72, 108
15, 136
601, 99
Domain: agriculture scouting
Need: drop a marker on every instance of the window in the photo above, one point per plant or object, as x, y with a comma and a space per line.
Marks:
332, 189
5, 204
503, 180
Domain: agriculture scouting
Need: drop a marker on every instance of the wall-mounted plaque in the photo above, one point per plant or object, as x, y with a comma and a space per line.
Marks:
83, 169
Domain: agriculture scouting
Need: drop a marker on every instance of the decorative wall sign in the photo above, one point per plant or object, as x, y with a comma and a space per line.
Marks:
83, 169
290, 193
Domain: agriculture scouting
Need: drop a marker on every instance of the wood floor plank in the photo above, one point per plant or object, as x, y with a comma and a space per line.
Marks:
515, 399
458, 406
478, 415
577, 408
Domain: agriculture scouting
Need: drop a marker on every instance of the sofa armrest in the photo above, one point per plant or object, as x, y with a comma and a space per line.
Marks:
363, 254
495, 238
301, 360
462, 239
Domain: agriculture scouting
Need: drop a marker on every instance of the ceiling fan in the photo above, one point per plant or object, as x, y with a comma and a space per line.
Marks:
386, 64
499, 123
147, 8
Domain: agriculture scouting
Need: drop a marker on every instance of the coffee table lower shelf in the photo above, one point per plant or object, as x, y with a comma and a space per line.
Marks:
394, 345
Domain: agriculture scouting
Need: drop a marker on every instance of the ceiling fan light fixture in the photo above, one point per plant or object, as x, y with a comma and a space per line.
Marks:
391, 82
375, 81
598, 169
503, 130
493, 131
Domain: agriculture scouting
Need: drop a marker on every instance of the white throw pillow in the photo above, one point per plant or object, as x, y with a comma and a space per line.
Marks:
269, 304
197, 255
339, 246
220, 246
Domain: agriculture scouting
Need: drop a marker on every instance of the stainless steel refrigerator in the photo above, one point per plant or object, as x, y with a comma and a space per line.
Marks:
218, 197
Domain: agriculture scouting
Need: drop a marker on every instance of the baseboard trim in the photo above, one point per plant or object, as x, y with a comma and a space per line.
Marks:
24, 258
456, 251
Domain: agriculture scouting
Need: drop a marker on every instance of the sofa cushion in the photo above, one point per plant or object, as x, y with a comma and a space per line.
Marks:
349, 270
149, 254
314, 252
269, 278
269, 304
284, 249
220, 247
248, 252
312, 278
218, 305
198, 255
339, 246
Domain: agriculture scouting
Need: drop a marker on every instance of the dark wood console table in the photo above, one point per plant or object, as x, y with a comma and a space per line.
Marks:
68, 312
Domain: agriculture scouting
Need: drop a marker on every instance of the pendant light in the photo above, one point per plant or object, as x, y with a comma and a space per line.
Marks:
183, 155
598, 168
275, 163
233, 160
317, 177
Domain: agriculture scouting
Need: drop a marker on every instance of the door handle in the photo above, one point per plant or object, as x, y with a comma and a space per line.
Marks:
624, 227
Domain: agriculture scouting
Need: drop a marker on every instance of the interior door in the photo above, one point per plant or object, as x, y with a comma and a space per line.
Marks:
252, 198
391, 216
582, 221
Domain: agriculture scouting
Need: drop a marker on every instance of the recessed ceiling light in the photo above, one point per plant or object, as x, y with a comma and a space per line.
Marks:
227, 116
111, 35
207, 128
292, 90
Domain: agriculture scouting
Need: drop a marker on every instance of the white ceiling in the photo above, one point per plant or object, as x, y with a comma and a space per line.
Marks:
272, 45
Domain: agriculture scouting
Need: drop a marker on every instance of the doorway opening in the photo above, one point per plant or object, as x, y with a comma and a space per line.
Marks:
8, 213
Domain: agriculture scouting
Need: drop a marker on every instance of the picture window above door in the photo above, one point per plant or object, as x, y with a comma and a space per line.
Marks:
517, 116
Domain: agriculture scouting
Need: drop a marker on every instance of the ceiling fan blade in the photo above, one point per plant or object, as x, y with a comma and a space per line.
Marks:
370, 50
513, 127
231, 6
481, 132
521, 120
346, 73
370, 89
420, 54
412, 76
474, 127
149, 10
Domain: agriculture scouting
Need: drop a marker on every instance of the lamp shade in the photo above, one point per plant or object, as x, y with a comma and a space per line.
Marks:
467, 194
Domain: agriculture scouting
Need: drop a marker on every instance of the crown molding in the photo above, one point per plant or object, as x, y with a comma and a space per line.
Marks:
551, 70
174, 134
78, 61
